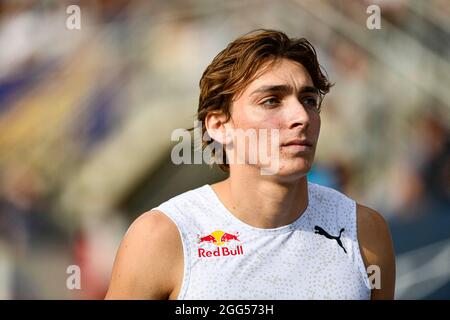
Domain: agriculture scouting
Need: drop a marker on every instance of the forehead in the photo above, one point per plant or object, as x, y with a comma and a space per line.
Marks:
281, 72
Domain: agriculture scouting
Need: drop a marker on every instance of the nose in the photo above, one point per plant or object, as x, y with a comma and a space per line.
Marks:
297, 114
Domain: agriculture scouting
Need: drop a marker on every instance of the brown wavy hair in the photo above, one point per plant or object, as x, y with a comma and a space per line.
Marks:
235, 67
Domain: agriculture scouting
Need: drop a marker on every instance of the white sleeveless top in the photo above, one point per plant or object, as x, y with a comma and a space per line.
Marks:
311, 258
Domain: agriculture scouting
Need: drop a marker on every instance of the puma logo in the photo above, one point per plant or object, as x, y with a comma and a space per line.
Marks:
322, 232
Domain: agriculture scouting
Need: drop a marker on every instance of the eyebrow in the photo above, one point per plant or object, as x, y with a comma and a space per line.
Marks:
284, 89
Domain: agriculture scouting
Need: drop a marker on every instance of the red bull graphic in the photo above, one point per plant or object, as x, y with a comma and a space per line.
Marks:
208, 238
228, 237
220, 239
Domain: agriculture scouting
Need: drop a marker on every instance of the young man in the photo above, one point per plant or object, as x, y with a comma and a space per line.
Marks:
254, 235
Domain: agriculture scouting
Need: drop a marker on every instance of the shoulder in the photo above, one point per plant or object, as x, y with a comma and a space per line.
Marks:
371, 216
373, 230
153, 230
376, 248
151, 225
147, 259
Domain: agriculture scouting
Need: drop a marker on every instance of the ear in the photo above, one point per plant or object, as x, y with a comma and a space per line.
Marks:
218, 127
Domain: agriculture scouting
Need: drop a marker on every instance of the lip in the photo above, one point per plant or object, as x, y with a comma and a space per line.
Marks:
298, 145
298, 142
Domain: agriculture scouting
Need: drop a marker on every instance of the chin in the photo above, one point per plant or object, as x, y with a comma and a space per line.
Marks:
292, 169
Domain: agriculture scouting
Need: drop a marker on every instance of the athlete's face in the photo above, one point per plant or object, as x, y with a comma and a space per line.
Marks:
283, 99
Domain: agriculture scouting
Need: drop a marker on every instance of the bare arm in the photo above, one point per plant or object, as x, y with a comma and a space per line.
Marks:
149, 261
376, 248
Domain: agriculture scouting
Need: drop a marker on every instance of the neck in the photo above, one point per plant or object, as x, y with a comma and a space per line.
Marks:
263, 202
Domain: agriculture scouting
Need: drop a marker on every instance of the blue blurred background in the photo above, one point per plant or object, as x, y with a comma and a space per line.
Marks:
86, 117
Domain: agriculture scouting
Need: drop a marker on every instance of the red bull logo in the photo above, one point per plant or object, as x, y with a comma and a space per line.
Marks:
220, 239
208, 238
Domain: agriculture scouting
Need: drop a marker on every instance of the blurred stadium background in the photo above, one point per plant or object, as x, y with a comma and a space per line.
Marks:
86, 117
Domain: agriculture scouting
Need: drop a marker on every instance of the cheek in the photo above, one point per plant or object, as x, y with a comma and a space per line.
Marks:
250, 117
317, 125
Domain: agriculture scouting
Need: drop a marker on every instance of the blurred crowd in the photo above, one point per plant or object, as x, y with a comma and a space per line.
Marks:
86, 117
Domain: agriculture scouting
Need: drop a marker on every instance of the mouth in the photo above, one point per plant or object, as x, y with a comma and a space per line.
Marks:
298, 145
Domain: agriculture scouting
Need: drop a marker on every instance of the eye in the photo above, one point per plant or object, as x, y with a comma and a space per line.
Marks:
271, 102
310, 102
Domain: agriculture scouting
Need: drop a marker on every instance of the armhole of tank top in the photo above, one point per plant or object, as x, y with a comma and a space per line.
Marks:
186, 253
358, 257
